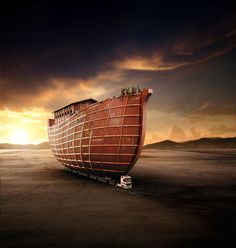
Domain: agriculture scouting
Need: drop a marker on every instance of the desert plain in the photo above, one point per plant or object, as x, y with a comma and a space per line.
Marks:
180, 198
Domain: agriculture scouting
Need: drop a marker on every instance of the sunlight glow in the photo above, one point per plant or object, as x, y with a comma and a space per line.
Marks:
19, 137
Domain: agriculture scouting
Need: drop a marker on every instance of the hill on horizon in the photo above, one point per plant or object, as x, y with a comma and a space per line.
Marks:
44, 145
202, 143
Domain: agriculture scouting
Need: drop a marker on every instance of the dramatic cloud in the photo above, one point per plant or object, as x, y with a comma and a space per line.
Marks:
221, 129
31, 70
186, 50
195, 134
54, 54
177, 134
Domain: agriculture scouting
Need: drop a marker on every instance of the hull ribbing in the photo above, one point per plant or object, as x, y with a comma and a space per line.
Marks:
105, 138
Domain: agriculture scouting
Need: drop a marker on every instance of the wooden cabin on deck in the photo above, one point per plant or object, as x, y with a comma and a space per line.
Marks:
62, 113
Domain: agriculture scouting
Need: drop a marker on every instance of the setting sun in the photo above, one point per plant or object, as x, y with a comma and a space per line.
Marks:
19, 137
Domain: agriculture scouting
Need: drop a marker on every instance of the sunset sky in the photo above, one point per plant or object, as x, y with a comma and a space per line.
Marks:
53, 54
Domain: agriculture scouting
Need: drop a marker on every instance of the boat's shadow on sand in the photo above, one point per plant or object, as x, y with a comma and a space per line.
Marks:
181, 194
168, 192
216, 203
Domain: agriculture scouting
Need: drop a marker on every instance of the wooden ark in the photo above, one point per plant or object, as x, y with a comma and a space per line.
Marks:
101, 138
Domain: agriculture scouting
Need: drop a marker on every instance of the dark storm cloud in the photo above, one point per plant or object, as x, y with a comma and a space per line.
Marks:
43, 42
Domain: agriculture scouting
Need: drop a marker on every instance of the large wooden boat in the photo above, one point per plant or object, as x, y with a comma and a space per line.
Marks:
100, 138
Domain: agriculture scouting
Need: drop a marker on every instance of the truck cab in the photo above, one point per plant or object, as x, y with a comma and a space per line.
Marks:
125, 182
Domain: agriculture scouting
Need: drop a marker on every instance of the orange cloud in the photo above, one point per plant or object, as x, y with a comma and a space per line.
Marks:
145, 64
177, 134
222, 129
185, 50
195, 134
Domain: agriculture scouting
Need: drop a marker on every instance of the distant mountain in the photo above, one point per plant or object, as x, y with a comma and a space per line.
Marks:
167, 144
44, 145
203, 143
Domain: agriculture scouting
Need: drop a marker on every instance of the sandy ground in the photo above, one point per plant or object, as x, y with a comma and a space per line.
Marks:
179, 199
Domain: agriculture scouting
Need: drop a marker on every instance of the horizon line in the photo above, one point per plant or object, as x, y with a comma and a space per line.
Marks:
144, 145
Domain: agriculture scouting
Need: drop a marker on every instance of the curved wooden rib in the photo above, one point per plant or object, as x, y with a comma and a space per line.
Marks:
105, 138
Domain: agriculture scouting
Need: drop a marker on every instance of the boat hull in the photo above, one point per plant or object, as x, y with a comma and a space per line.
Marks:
105, 138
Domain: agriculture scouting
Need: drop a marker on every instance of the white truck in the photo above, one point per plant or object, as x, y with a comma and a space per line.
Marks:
125, 182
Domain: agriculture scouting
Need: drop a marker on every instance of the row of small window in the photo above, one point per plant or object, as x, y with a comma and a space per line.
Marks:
63, 113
